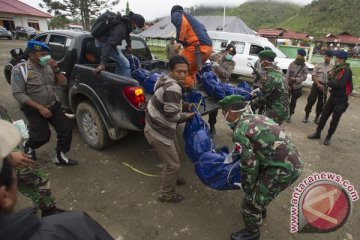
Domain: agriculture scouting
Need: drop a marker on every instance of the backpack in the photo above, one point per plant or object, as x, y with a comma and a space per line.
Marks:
104, 23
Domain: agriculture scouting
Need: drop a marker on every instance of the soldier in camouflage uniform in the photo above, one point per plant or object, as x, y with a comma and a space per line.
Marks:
272, 89
268, 158
33, 182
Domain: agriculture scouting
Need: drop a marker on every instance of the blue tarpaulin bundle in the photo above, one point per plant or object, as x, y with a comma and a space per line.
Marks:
197, 138
213, 168
149, 82
134, 62
215, 88
140, 75
194, 96
214, 173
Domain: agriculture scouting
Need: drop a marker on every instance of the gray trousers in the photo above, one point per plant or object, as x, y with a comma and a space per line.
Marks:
171, 159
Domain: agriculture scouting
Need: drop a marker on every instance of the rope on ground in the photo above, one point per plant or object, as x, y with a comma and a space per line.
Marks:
138, 171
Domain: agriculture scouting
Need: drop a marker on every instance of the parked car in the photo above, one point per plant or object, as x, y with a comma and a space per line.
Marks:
4, 33
106, 105
247, 48
25, 32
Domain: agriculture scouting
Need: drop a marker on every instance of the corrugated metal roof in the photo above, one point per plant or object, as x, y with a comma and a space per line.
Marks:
17, 7
164, 29
270, 32
341, 38
281, 33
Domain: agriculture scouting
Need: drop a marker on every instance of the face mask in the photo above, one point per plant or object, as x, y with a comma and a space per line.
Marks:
230, 124
229, 57
44, 60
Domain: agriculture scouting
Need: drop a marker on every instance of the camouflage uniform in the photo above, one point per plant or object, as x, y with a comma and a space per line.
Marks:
269, 164
274, 95
33, 182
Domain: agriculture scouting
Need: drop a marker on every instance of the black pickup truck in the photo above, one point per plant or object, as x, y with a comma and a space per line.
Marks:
106, 105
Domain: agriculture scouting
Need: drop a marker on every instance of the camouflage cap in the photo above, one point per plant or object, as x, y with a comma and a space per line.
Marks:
232, 101
9, 139
268, 55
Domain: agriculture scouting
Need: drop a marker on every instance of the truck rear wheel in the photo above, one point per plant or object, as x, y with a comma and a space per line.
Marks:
91, 126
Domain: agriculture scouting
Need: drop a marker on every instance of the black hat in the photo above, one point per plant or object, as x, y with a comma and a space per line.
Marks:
137, 19
176, 8
231, 48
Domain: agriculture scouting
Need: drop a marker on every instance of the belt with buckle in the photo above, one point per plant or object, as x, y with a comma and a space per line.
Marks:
50, 105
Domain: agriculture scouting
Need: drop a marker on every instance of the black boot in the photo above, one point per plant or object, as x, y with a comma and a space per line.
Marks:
263, 214
29, 151
316, 120
327, 140
212, 130
288, 120
306, 118
245, 234
51, 211
315, 135
61, 159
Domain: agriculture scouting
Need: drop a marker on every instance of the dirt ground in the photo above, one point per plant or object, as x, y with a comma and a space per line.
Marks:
124, 201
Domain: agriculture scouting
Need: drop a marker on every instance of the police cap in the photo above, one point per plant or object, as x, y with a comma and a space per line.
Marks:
341, 54
37, 46
301, 52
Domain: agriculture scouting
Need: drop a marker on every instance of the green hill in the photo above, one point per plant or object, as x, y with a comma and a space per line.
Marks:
260, 14
317, 19
324, 16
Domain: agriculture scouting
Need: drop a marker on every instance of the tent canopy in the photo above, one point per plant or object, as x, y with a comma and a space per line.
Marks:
164, 29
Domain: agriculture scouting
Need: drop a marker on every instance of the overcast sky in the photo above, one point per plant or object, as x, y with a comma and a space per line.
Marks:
152, 9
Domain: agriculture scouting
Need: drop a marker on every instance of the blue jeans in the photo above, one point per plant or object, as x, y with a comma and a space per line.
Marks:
122, 64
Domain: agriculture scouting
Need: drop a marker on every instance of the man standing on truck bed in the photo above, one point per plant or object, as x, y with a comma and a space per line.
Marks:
33, 86
163, 113
114, 35
195, 40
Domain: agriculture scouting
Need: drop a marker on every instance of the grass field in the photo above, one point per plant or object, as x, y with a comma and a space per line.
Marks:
356, 78
159, 52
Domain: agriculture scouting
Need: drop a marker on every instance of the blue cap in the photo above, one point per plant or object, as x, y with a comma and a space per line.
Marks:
301, 52
329, 53
341, 54
37, 46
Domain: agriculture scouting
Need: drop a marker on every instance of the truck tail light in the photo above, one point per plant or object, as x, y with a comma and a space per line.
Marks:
135, 96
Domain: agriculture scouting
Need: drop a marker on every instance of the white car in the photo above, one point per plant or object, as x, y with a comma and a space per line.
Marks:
247, 49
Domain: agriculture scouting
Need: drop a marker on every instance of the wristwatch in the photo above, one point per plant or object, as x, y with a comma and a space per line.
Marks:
57, 70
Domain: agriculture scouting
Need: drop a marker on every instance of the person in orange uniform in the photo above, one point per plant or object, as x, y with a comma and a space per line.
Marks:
190, 32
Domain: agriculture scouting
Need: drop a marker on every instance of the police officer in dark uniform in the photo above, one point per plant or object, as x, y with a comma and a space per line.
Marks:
340, 82
33, 86
319, 88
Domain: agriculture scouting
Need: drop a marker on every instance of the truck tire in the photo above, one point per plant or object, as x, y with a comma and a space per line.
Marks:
91, 126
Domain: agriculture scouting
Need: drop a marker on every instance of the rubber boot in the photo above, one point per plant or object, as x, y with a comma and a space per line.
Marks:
245, 234
306, 118
315, 135
316, 120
